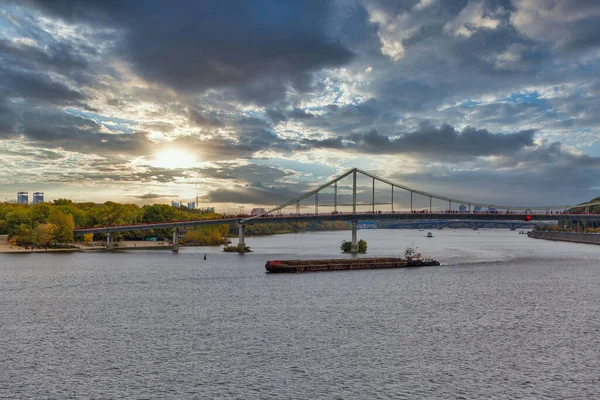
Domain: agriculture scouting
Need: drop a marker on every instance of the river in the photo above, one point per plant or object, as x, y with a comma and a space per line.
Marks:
505, 316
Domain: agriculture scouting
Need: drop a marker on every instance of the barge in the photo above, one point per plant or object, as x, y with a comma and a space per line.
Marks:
293, 266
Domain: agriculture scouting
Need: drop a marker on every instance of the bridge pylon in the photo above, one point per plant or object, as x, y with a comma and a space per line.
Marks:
110, 244
241, 238
354, 245
175, 245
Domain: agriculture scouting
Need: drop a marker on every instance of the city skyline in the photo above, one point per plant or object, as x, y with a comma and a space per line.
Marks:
255, 102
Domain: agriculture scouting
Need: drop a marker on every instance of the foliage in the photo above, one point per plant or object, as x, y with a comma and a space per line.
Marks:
51, 224
294, 227
347, 246
206, 236
236, 249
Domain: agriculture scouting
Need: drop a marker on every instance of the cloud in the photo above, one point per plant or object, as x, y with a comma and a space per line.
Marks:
443, 142
251, 194
257, 48
567, 25
470, 19
151, 196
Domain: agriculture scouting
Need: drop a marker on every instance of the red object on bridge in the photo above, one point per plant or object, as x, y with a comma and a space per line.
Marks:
528, 217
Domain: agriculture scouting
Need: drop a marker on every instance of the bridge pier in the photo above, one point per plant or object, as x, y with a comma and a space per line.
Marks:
354, 245
110, 244
175, 245
241, 239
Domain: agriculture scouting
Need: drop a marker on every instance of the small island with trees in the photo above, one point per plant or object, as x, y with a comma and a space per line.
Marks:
346, 246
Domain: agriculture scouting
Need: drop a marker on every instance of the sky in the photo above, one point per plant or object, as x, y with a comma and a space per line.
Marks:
255, 102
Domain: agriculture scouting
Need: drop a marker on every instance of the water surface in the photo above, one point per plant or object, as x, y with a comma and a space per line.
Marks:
505, 317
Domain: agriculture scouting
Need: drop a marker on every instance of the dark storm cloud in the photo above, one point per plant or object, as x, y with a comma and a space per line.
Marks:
444, 141
150, 196
248, 172
53, 128
202, 118
8, 119
36, 86
257, 47
56, 56
251, 194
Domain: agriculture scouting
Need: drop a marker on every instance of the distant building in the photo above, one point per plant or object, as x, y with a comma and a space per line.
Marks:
192, 206
477, 209
23, 198
210, 209
38, 197
491, 209
175, 204
462, 208
257, 211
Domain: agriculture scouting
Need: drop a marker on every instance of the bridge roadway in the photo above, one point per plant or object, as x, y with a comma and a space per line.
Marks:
369, 216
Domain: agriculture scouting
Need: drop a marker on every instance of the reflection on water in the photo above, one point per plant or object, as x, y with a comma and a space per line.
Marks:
505, 317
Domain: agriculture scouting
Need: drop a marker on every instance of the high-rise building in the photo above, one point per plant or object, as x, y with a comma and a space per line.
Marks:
23, 198
38, 197
192, 206
175, 203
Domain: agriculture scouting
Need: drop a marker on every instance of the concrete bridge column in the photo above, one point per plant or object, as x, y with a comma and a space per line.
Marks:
110, 245
241, 239
354, 245
175, 247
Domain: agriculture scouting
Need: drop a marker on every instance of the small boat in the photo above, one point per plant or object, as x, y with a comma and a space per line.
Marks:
429, 234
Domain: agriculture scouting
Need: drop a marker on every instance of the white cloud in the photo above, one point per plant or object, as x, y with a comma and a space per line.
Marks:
472, 18
554, 21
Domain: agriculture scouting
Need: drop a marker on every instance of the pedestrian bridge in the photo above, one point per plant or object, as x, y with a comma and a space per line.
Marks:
346, 199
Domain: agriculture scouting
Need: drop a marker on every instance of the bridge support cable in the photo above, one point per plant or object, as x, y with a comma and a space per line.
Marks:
355, 171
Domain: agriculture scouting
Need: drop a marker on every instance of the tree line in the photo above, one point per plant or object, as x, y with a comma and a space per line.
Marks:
52, 224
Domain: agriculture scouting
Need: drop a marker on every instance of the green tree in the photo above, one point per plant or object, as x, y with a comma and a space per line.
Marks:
64, 224
15, 219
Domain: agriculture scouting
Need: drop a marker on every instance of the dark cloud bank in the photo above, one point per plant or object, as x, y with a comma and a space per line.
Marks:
258, 47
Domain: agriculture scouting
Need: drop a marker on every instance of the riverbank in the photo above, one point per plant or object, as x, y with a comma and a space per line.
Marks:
5, 247
574, 237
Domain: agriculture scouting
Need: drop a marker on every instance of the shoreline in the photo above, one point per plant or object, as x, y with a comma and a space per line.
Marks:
572, 237
6, 248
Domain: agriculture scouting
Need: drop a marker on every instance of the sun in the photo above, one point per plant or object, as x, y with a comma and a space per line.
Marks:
172, 159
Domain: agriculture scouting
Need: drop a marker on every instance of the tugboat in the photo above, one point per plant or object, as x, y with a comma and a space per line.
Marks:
429, 234
411, 255
414, 259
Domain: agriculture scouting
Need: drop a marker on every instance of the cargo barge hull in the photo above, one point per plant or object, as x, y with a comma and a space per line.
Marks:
294, 266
